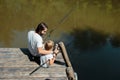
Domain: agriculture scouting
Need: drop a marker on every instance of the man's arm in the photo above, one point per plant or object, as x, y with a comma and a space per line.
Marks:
42, 51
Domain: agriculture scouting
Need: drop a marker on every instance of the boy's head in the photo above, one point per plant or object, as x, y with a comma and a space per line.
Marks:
49, 45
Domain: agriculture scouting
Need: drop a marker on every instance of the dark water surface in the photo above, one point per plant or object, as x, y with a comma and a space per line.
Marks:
90, 30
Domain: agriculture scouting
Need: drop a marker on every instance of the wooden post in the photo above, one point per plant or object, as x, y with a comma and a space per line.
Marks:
69, 69
65, 55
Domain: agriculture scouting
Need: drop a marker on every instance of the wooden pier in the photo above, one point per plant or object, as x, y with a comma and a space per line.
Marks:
15, 64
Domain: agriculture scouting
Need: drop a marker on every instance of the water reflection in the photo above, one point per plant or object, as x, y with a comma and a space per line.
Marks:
115, 40
88, 39
93, 54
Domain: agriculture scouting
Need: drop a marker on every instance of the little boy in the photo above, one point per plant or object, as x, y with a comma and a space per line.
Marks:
48, 59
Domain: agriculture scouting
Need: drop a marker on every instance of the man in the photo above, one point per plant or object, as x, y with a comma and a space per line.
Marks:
35, 40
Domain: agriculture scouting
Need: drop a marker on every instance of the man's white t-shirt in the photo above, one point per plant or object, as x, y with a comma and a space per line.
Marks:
34, 41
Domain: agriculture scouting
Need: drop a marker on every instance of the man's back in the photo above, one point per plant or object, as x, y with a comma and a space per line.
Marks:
34, 41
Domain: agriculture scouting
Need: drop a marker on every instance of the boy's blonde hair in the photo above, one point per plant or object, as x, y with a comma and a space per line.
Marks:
49, 45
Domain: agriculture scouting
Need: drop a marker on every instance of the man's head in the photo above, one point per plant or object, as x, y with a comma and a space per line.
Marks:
41, 28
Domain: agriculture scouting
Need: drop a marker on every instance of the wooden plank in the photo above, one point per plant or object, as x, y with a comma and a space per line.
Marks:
23, 72
27, 65
23, 69
15, 65
32, 78
20, 60
20, 63
14, 59
17, 55
8, 72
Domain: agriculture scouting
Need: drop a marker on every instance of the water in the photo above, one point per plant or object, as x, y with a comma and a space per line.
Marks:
94, 56
89, 29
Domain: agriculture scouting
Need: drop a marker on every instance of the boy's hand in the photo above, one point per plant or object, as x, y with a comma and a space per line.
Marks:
56, 49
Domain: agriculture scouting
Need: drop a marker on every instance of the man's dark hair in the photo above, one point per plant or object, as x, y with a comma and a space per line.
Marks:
41, 27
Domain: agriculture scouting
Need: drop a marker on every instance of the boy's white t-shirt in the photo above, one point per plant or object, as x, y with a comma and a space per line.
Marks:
44, 59
34, 41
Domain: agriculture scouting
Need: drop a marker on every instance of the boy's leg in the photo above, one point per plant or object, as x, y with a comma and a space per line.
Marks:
51, 61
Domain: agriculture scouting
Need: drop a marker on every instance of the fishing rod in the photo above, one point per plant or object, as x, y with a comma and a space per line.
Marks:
51, 31
38, 67
60, 22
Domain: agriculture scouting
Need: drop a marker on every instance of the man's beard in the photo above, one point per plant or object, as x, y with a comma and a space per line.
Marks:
42, 35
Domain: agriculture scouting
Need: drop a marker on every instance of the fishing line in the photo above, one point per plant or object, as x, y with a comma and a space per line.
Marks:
60, 22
